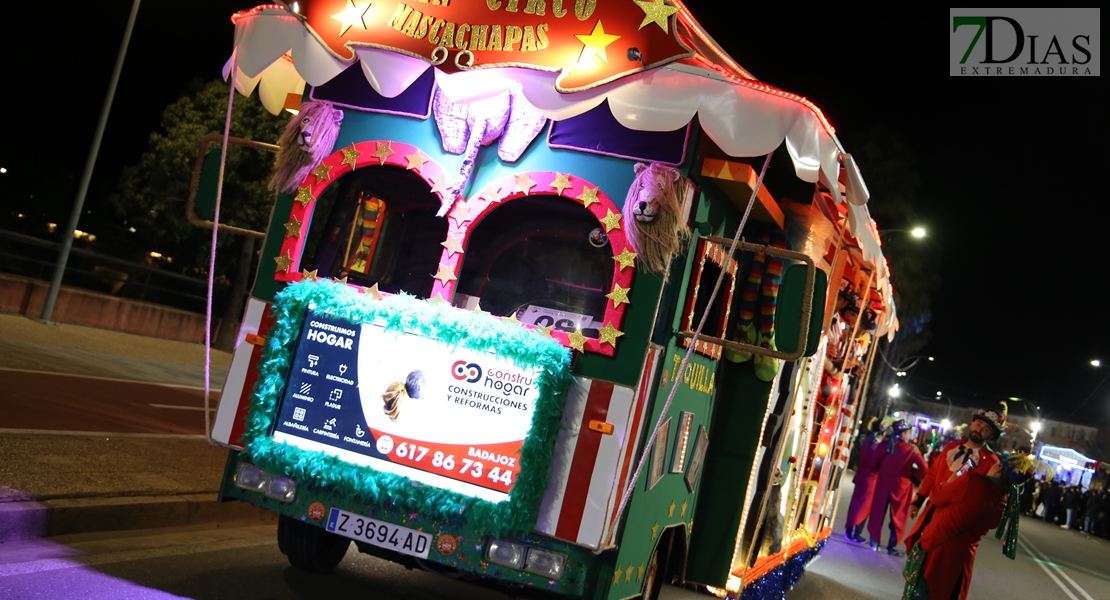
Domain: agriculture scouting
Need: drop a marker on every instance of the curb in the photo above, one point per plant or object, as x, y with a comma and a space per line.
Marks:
31, 520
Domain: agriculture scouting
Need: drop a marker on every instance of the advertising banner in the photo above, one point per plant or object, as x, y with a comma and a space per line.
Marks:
408, 404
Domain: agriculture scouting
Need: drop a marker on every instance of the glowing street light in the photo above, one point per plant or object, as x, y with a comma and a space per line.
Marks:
1036, 427
945, 424
1096, 363
918, 232
894, 391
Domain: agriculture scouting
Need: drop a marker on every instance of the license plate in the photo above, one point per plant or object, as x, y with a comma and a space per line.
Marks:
379, 533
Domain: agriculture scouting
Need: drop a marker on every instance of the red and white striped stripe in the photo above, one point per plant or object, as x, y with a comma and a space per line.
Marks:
844, 436
589, 467
242, 375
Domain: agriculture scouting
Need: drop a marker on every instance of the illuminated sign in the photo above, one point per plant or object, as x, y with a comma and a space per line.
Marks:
590, 41
1066, 457
408, 404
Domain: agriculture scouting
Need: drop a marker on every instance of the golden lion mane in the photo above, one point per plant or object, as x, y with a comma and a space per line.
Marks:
317, 124
658, 241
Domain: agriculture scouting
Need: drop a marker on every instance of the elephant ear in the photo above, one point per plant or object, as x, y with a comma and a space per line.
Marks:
525, 123
451, 119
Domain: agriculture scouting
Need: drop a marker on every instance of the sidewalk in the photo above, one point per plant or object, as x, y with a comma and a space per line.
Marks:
60, 482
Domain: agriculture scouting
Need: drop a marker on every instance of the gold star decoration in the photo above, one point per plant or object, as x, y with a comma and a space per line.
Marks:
436, 300
351, 15
595, 43
284, 262
685, 503
561, 183
588, 196
628, 573
304, 196
670, 510
311, 275
617, 575
626, 259
416, 160
619, 295
611, 221
654, 530
524, 184
544, 331
656, 12
439, 184
511, 319
478, 309
445, 273
491, 193
609, 335
453, 245
461, 212
350, 155
577, 340
373, 292
382, 152
640, 572
343, 281
293, 227
322, 172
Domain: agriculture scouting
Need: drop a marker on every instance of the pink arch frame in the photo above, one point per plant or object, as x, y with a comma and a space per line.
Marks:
465, 214
369, 153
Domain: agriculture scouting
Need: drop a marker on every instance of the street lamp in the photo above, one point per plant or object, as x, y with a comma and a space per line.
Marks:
945, 425
918, 232
894, 391
1096, 363
1036, 427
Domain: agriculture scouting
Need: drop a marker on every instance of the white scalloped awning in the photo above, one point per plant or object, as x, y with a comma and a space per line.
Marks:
277, 54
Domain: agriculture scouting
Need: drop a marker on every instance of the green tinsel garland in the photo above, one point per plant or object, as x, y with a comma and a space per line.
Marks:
474, 331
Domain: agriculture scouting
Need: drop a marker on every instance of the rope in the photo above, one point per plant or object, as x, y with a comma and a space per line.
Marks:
693, 344
212, 261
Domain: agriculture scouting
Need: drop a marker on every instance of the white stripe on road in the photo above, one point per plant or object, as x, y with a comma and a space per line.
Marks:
178, 407
1044, 560
183, 436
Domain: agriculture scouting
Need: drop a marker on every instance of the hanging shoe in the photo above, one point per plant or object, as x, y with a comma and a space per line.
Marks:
748, 336
766, 368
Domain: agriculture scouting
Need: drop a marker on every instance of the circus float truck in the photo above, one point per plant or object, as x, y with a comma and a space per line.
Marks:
505, 326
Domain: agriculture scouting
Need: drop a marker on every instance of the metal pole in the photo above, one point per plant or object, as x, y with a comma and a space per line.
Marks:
79, 203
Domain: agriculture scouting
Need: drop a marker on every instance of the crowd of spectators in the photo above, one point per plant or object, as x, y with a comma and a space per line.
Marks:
1069, 507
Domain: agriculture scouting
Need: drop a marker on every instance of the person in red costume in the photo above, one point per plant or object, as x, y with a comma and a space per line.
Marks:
966, 498
894, 488
872, 451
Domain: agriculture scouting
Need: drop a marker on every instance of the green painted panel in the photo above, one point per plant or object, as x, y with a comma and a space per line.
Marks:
669, 503
788, 312
733, 442
206, 190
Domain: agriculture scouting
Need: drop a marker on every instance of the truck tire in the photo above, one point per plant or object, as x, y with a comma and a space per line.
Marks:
309, 547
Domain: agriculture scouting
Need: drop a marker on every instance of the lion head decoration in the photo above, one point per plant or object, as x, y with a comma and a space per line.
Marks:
653, 219
307, 140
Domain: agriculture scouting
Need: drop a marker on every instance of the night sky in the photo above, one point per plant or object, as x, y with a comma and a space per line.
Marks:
1008, 165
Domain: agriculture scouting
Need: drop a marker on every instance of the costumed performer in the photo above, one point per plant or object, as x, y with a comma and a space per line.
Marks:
872, 451
965, 501
894, 488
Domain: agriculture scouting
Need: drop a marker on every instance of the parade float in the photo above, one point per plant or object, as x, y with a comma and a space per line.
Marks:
504, 325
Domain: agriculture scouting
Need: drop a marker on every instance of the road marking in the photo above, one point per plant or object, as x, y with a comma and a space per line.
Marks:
109, 558
179, 407
1044, 560
115, 379
180, 436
